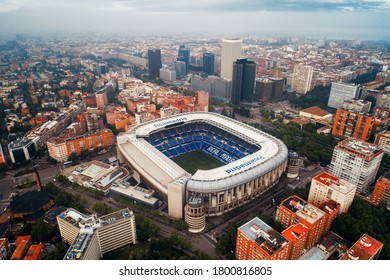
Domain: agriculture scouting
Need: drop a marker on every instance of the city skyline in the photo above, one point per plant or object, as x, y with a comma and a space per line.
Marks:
337, 19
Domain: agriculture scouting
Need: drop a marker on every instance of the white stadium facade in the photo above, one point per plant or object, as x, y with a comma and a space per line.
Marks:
253, 162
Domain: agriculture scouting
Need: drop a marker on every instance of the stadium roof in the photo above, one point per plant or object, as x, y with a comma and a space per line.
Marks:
158, 167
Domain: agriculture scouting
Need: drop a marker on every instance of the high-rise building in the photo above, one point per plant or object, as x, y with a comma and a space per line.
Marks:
244, 74
297, 237
21, 150
326, 186
101, 99
331, 209
202, 100
302, 77
382, 139
208, 63
258, 241
154, 62
366, 248
2, 158
295, 210
349, 123
231, 50
184, 55
357, 162
341, 91
180, 68
381, 193
269, 89
4, 249
167, 74
263, 89
359, 106
91, 237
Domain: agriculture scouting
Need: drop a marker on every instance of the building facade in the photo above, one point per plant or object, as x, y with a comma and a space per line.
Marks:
381, 193
21, 150
295, 210
326, 186
231, 50
61, 148
302, 77
154, 62
244, 74
258, 241
357, 162
208, 63
341, 91
90, 237
349, 123
382, 139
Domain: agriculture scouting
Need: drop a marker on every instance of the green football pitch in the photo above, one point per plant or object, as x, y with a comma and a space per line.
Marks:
195, 160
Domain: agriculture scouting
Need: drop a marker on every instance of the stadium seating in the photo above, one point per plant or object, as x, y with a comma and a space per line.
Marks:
218, 143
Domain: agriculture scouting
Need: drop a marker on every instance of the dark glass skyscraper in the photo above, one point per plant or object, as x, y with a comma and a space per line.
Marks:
244, 74
208, 63
184, 55
154, 61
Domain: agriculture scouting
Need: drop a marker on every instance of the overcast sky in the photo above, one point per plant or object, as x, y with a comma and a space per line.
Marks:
350, 19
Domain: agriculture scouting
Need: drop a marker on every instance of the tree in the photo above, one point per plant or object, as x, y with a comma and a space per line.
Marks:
145, 228
101, 208
41, 232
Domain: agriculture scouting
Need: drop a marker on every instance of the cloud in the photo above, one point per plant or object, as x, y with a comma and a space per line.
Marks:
192, 6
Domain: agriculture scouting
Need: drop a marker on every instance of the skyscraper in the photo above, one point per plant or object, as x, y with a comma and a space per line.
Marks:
208, 63
340, 92
184, 55
154, 61
302, 76
244, 74
231, 50
180, 68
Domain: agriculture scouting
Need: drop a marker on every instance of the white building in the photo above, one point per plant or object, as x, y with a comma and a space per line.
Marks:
302, 77
340, 92
91, 237
231, 50
326, 186
167, 75
356, 161
383, 141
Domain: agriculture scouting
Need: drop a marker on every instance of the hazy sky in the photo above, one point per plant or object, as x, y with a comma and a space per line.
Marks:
351, 19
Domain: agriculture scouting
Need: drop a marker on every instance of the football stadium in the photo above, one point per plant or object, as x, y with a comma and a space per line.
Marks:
202, 164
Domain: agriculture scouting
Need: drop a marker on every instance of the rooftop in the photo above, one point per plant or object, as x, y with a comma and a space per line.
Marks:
19, 143
329, 206
313, 254
303, 209
334, 182
88, 225
355, 145
265, 236
135, 192
316, 111
295, 232
34, 252
30, 202
364, 249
